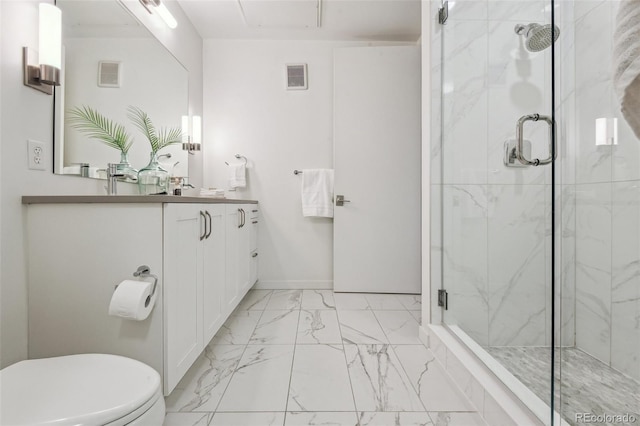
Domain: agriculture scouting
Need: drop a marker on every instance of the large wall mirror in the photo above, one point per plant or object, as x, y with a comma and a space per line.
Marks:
137, 70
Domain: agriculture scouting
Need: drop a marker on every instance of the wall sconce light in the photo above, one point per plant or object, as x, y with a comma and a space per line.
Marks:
161, 10
606, 131
191, 140
46, 73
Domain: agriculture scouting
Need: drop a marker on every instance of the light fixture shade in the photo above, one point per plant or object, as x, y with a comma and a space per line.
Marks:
50, 36
166, 16
196, 126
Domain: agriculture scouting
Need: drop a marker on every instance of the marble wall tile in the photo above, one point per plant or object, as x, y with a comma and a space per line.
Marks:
626, 155
434, 387
436, 97
319, 380
285, 299
400, 327
593, 47
436, 260
238, 328
593, 269
516, 88
360, 327
261, 380
517, 278
276, 328
465, 102
305, 418
625, 286
318, 326
378, 380
468, 10
465, 262
521, 10
318, 299
205, 382
566, 316
582, 7
397, 418
243, 419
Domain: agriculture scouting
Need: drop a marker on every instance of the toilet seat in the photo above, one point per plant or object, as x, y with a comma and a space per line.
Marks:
87, 389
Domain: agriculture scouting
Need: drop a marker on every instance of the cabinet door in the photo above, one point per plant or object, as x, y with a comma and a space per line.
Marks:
183, 341
244, 251
213, 255
231, 289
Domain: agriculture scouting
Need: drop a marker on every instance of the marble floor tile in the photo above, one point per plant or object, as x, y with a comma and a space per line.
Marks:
285, 299
417, 315
318, 326
380, 302
399, 418
276, 328
204, 384
248, 419
187, 419
318, 299
360, 327
400, 327
411, 302
261, 380
378, 380
457, 419
255, 300
238, 328
319, 380
351, 301
435, 388
306, 418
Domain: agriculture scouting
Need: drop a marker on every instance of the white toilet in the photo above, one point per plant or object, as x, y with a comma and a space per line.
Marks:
87, 389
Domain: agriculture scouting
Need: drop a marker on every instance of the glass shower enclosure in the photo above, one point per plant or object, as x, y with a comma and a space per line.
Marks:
536, 199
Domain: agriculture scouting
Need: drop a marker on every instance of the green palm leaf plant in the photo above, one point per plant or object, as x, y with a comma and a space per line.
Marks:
97, 126
158, 139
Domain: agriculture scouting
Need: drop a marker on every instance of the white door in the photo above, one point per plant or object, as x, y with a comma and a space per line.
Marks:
377, 169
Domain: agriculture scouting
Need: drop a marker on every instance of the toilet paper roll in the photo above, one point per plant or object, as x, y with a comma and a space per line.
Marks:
132, 300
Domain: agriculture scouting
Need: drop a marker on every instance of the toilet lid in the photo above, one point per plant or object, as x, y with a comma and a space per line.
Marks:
87, 389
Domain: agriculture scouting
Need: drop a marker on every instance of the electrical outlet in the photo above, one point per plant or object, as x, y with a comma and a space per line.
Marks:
36, 153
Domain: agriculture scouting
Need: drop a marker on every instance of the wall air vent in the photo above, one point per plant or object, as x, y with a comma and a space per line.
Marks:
108, 74
296, 76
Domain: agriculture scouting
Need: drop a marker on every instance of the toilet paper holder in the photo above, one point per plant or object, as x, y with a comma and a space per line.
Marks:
144, 271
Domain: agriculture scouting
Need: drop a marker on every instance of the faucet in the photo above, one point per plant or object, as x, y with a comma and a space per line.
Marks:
112, 178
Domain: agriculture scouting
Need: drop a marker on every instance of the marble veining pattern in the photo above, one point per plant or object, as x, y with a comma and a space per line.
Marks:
299, 366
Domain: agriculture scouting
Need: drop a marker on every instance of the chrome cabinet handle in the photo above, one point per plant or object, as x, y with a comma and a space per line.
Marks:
254, 222
210, 227
244, 218
204, 219
254, 211
239, 218
254, 255
520, 140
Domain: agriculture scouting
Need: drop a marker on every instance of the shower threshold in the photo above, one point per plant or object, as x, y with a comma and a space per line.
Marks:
588, 385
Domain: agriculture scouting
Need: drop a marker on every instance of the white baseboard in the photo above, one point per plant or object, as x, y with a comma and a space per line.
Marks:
294, 285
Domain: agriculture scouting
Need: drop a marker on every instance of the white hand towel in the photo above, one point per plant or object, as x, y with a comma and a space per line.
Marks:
626, 58
317, 192
237, 175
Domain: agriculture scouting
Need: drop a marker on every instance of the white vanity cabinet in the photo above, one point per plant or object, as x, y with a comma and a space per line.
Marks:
194, 272
79, 248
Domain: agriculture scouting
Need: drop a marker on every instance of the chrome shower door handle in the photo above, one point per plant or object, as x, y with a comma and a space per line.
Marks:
520, 140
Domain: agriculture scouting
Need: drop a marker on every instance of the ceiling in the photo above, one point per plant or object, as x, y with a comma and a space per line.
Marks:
363, 20
108, 19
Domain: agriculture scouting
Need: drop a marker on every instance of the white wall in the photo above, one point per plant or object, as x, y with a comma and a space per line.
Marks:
249, 111
27, 113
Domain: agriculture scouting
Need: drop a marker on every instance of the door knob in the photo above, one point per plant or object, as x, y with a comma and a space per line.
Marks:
340, 200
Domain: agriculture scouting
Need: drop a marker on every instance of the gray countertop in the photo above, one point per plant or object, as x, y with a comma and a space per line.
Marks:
86, 199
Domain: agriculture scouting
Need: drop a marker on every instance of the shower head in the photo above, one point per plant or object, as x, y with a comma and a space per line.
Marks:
537, 37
